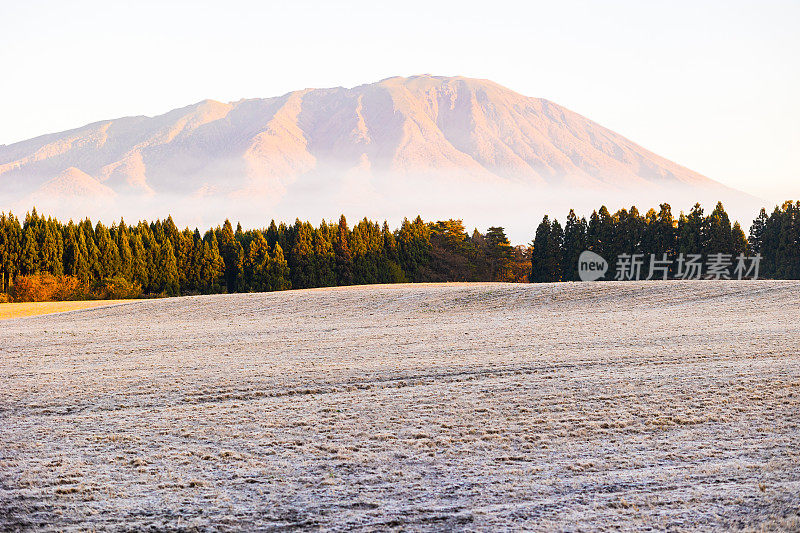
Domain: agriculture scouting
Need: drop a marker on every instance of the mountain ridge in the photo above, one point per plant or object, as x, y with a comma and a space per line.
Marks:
421, 140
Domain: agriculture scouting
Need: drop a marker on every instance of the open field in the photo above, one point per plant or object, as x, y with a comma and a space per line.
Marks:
25, 309
674, 405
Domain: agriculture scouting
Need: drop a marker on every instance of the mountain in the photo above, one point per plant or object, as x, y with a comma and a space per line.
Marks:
420, 141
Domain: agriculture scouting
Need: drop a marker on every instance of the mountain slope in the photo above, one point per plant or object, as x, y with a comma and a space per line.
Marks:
411, 143
411, 125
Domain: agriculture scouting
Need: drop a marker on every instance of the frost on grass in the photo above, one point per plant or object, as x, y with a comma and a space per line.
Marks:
672, 405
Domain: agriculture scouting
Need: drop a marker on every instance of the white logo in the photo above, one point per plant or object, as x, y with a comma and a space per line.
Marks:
591, 266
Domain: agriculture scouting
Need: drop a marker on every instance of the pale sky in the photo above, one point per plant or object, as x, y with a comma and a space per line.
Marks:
714, 86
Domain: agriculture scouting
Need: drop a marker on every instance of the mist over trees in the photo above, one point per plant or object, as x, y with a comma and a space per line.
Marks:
42, 258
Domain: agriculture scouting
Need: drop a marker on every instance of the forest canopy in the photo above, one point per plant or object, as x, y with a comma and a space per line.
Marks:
42, 258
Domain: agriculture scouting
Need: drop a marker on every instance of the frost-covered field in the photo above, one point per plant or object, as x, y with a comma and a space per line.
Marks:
418, 407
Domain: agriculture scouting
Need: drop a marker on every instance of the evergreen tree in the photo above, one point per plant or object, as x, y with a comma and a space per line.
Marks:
29, 255
324, 255
302, 262
555, 242
108, 258
740, 245
414, 245
232, 256
166, 273
692, 232
540, 271
92, 251
574, 244
123, 244
10, 250
279, 270
75, 263
719, 232
212, 269
757, 231
500, 251
140, 274
341, 250
258, 264
195, 263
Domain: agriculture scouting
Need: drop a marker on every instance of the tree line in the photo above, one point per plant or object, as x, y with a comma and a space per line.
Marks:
776, 237
86, 260
157, 258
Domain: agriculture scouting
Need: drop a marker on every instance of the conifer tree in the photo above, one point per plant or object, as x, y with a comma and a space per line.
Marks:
540, 251
272, 234
324, 255
232, 256
719, 232
92, 251
29, 254
574, 245
50, 247
302, 261
692, 232
500, 252
341, 249
212, 269
414, 245
167, 270
279, 270
757, 231
193, 276
10, 250
122, 241
140, 274
108, 259
555, 242
257, 264
740, 246
75, 263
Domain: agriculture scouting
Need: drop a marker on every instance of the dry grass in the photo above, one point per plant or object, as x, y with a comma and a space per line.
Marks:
609, 406
26, 309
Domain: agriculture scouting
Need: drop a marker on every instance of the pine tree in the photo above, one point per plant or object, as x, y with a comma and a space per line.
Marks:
341, 249
212, 269
391, 271
719, 232
140, 274
757, 231
232, 255
663, 231
540, 272
500, 252
324, 256
740, 245
92, 251
182, 246
75, 263
10, 250
123, 243
257, 264
29, 255
167, 270
555, 243
574, 244
50, 247
272, 234
302, 262
414, 245
692, 232
108, 259
278, 271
